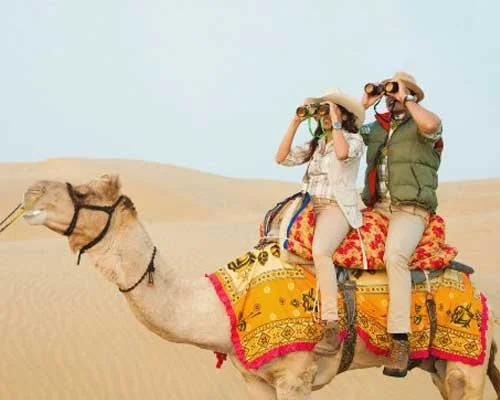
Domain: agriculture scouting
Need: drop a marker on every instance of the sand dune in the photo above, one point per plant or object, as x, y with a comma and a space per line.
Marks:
68, 334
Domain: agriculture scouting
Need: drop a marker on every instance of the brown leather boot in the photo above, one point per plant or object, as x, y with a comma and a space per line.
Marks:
397, 364
329, 343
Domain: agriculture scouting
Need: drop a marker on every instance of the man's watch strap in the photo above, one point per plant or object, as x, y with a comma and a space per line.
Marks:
409, 97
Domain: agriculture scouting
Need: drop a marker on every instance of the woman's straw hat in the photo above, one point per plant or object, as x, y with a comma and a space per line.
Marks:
348, 102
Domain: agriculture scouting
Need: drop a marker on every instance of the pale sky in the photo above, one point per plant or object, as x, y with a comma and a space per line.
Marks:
212, 85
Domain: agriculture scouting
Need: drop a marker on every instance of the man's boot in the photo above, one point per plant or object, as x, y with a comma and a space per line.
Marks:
330, 340
397, 364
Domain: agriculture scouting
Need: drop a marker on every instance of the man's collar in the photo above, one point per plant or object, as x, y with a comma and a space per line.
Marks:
400, 116
385, 119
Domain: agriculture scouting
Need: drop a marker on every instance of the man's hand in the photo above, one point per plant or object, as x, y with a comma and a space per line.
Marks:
401, 93
368, 100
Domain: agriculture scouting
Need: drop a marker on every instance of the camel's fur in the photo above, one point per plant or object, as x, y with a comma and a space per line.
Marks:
173, 310
493, 372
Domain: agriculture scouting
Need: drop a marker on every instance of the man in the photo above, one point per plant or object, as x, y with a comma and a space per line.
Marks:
403, 157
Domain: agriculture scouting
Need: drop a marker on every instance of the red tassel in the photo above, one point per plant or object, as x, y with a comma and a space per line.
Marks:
221, 357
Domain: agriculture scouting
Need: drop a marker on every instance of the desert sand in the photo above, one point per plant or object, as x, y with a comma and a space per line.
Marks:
67, 333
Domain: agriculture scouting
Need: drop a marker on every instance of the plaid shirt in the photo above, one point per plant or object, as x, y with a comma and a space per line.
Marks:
316, 180
383, 178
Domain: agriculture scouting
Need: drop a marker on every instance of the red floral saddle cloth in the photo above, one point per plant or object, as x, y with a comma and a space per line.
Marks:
292, 222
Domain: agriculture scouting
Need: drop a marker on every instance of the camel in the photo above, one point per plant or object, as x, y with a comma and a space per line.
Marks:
103, 224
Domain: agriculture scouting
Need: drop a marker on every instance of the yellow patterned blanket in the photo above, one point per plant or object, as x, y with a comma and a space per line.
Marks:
270, 306
462, 317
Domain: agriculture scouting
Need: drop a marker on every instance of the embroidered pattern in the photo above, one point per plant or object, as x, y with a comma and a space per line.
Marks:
270, 306
462, 317
431, 253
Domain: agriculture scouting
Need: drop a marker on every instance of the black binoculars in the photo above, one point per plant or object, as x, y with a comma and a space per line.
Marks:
313, 110
372, 89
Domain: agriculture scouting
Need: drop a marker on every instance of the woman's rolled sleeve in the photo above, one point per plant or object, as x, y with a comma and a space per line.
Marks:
356, 146
297, 155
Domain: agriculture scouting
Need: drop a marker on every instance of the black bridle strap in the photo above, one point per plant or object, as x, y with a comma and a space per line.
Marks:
95, 241
78, 206
149, 271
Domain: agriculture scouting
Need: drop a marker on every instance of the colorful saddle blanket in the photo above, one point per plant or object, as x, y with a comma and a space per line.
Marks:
296, 220
270, 306
462, 317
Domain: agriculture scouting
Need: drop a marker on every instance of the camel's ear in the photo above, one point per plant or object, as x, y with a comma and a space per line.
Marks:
111, 184
111, 179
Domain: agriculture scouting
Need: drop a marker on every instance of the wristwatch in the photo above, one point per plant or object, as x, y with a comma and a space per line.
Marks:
409, 97
337, 125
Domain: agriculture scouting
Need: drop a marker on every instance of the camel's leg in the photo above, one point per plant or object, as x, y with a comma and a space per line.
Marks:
287, 377
294, 382
293, 387
288, 386
493, 372
457, 381
259, 389
438, 377
438, 382
465, 382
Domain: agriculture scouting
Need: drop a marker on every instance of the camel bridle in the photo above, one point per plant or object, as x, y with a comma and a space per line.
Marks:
79, 206
108, 210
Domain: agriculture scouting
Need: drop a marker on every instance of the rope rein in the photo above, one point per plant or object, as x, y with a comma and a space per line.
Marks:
149, 271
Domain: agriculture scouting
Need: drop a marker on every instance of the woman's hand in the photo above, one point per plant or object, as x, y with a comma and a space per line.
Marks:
286, 142
335, 113
297, 120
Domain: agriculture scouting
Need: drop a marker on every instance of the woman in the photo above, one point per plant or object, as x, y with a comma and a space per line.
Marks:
333, 157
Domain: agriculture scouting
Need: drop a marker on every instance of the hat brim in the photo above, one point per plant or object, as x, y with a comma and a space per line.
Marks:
410, 85
349, 103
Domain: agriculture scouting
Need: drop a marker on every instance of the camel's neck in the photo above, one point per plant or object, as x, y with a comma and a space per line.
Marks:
177, 309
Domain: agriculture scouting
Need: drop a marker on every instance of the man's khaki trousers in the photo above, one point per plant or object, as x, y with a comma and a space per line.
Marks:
406, 226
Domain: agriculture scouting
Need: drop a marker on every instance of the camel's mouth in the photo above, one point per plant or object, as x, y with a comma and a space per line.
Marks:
35, 217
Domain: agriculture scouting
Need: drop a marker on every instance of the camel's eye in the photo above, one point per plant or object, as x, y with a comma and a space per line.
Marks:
80, 195
81, 192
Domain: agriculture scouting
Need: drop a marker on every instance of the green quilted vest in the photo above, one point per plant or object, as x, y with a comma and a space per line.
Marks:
412, 166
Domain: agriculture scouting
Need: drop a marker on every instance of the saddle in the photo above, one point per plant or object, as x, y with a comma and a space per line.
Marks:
290, 223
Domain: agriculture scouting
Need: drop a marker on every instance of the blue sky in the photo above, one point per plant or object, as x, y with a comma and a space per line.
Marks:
212, 85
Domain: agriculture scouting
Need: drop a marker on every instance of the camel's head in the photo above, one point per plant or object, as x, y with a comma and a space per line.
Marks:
52, 203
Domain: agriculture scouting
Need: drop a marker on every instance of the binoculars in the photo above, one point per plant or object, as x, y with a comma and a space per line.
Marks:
313, 110
372, 89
